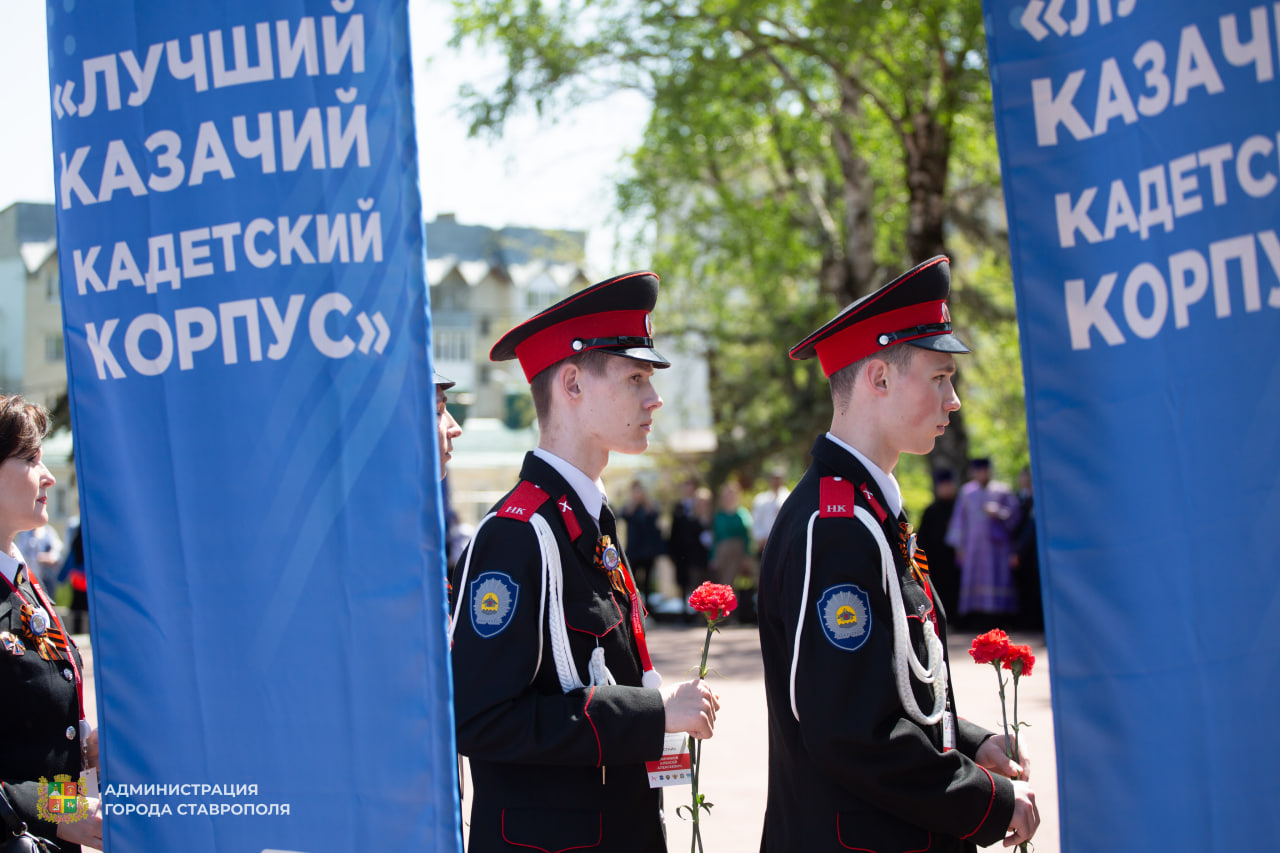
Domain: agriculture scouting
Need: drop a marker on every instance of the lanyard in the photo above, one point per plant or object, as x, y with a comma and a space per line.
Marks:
49, 609
637, 620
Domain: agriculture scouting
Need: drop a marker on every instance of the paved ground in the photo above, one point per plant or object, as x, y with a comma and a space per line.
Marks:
735, 760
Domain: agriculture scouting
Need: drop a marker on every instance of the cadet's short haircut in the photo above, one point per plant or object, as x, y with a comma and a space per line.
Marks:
595, 362
844, 379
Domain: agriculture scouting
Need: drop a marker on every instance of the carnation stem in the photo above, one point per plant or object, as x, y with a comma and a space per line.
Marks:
706, 648
695, 753
1017, 726
1004, 715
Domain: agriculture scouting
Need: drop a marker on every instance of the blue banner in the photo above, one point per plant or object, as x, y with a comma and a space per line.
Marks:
1138, 142
240, 240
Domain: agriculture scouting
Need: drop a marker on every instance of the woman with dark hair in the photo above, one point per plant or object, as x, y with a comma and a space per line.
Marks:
45, 743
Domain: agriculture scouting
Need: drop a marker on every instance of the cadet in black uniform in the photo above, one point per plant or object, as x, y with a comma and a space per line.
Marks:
42, 731
865, 750
555, 697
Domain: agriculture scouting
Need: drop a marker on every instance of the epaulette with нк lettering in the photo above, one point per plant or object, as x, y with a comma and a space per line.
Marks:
523, 502
837, 496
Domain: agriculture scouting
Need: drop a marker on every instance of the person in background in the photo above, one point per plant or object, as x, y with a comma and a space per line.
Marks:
730, 536
73, 573
979, 532
764, 508
1024, 560
933, 539
644, 539
685, 547
43, 732
43, 548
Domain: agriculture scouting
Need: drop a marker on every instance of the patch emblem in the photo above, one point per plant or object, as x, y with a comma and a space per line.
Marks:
493, 603
844, 612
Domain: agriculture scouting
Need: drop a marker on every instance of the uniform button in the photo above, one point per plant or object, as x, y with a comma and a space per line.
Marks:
71, 732
66, 673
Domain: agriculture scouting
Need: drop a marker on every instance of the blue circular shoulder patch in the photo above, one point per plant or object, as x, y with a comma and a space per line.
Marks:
844, 612
493, 602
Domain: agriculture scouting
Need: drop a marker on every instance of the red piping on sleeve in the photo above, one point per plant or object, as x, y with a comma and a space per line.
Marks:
989, 805
586, 709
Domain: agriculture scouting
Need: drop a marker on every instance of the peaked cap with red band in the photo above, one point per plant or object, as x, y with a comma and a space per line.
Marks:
612, 316
911, 309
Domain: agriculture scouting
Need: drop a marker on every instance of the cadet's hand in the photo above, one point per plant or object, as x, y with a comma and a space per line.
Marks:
691, 707
87, 831
992, 755
1026, 817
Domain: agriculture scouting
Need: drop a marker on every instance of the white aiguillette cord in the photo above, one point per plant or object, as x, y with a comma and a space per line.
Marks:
552, 593
905, 662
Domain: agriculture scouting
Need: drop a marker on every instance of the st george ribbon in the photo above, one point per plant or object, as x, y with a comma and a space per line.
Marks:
240, 240
1141, 164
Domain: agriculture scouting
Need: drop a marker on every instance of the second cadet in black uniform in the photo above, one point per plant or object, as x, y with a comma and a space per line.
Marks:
556, 701
865, 750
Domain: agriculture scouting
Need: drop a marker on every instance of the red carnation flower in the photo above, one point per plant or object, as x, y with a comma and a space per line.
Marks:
715, 600
1019, 655
990, 647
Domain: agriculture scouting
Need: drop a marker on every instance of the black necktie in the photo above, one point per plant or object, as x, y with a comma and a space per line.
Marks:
608, 524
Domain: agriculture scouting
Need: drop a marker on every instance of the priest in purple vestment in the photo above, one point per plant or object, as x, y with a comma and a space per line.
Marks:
980, 535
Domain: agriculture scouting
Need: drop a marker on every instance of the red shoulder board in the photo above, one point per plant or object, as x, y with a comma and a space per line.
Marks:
873, 503
570, 520
835, 498
523, 502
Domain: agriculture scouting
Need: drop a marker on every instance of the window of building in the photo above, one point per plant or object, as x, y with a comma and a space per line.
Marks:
53, 347
540, 293
451, 344
449, 297
51, 286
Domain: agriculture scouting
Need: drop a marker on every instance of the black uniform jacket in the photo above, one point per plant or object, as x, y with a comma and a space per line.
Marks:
38, 707
552, 770
855, 773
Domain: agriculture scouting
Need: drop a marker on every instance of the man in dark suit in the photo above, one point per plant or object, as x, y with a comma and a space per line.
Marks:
685, 541
865, 749
556, 700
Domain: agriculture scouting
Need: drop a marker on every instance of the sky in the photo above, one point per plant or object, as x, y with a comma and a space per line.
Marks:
541, 173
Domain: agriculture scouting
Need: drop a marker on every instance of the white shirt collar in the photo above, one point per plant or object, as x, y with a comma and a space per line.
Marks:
590, 492
888, 484
9, 566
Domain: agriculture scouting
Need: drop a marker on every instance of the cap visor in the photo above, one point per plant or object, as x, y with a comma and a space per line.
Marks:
940, 343
641, 354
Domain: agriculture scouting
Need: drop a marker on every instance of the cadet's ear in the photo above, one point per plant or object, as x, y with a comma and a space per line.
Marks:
569, 380
876, 374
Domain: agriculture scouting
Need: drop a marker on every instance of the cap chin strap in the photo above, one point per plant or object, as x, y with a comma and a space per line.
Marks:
627, 341
925, 331
905, 662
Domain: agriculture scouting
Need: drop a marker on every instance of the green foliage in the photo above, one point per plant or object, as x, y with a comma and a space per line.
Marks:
799, 154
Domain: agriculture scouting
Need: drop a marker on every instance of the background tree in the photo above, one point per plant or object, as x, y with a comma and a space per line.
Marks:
799, 154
